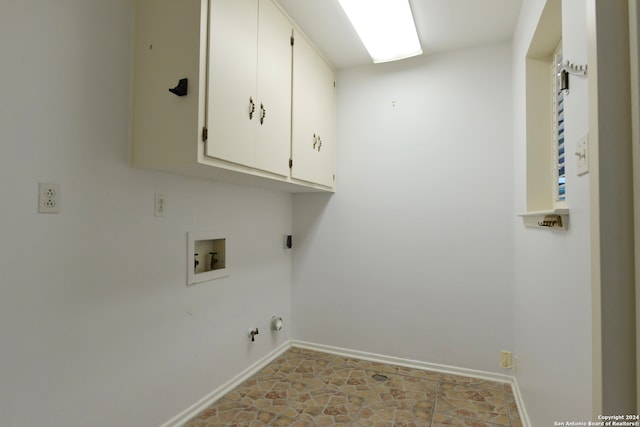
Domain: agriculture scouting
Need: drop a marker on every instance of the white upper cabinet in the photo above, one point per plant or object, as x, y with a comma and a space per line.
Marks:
313, 135
170, 40
249, 114
233, 119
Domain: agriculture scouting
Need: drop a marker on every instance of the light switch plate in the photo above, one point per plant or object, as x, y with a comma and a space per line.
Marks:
582, 154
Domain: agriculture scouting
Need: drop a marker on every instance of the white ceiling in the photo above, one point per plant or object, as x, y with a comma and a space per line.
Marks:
442, 25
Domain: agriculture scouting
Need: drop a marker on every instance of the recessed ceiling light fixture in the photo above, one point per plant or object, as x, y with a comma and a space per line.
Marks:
386, 28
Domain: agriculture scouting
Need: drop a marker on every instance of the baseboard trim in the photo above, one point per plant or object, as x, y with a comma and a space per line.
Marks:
416, 364
182, 418
524, 417
216, 394
408, 363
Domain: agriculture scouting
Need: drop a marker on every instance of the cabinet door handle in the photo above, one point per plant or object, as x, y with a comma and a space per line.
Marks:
315, 141
263, 113
319, 143
252, 108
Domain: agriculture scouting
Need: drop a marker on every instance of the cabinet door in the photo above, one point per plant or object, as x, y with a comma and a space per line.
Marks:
233, 44
273, 144
326, 115
313, 118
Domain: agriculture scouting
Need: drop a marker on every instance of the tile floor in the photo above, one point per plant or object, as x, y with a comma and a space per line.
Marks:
308, 388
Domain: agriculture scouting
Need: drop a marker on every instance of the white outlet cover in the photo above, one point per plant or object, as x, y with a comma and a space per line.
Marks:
48, 198
582, 155
160, 205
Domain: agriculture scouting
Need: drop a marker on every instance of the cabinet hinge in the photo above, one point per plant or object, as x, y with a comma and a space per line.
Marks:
205, 134
292, 40
290, 163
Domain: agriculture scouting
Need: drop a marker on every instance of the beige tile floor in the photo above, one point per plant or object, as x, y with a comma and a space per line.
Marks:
308, 388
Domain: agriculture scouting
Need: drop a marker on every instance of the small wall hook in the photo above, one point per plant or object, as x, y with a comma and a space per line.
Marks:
571, 68
253, 333
181, 88
551, 221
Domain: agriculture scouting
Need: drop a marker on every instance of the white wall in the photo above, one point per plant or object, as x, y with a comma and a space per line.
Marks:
97, 327
412, 256
612, 265
417, 255
552, 305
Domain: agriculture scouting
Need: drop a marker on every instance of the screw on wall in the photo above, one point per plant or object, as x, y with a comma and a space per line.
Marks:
48, 197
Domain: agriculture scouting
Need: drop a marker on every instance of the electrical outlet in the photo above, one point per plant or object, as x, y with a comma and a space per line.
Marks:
48, 197
505, 360
160, 205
